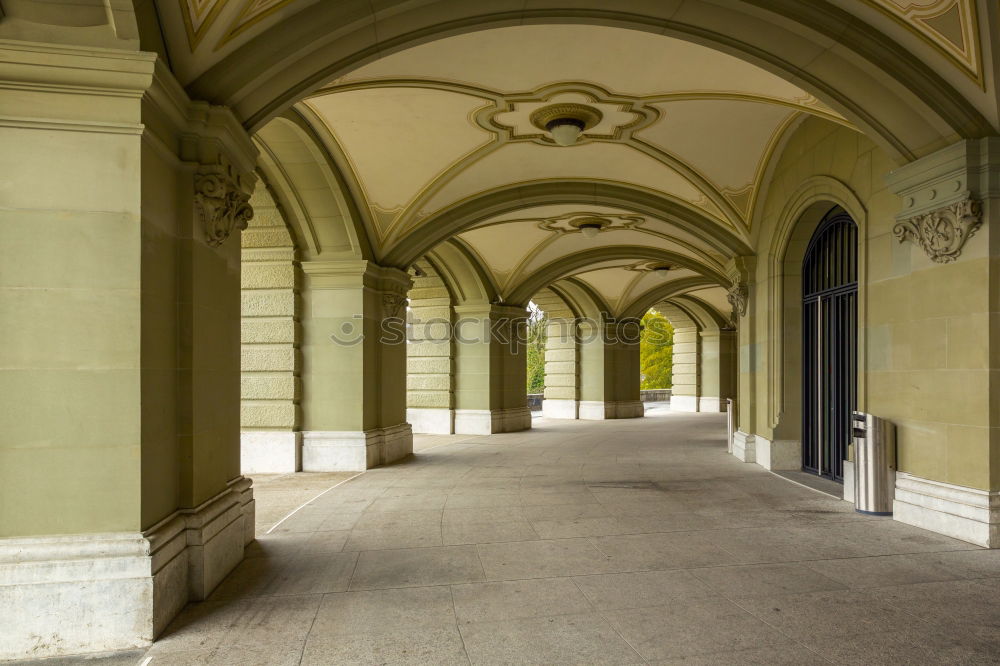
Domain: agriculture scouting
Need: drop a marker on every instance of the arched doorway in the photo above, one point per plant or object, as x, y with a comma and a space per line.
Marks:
829, 343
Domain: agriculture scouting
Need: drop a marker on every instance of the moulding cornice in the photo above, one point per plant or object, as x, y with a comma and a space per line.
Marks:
112, 72
356, 273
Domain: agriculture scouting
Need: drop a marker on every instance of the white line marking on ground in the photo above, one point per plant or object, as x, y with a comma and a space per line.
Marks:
275, 526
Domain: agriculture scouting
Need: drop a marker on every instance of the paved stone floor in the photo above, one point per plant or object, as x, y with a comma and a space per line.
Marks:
617, 542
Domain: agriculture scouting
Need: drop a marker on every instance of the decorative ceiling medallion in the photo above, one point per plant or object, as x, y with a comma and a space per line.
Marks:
950, 26
602, 115
575, 223
566, 122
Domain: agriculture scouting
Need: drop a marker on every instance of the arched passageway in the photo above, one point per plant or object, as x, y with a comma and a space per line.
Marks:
282, 236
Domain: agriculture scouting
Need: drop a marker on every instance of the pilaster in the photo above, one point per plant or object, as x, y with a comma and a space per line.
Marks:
270, 441
939, 299
609, 369
430, 382
562, 370
490, 369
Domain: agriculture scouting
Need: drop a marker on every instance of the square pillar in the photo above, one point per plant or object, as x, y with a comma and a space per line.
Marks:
353, 366
120, 490
490, 370
717, 369
610, 369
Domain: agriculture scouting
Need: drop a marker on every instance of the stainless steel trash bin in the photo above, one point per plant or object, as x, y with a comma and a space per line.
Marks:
874, 464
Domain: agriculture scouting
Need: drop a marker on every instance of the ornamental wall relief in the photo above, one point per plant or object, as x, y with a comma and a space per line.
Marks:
221, 205
942, 233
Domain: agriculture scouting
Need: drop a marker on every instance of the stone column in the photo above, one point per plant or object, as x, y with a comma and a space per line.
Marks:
562, 398
609, 370
270, 440
353, 366
430, 406
718, 349
490, 370
120, 490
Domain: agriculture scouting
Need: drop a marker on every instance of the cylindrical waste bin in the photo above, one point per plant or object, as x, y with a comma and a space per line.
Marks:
874, 464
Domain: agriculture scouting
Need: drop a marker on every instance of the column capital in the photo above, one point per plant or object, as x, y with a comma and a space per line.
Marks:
356, 273
491, 310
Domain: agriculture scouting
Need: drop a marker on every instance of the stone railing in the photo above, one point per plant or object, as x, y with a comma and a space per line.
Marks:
655, 395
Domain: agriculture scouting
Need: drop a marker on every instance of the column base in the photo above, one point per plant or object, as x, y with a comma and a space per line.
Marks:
781, 454
270, 452
561, 409
596, 410
711, 404
744, 446
83, 593
683, 403
355, 451
431, 421
963, 513
491, 421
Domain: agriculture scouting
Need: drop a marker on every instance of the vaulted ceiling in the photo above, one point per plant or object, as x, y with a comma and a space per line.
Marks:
446, 124
435, 143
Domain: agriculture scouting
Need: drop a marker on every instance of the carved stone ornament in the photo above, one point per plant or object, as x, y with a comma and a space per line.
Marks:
943, 232
738, 295
222, 206
392, 304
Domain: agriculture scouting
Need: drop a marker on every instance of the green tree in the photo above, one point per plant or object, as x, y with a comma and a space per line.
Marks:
537, 323
656, 351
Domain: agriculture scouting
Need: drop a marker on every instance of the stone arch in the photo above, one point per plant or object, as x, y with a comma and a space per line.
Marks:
444, 225
326, 220
799, 219
646, 300
896, 99
561, 267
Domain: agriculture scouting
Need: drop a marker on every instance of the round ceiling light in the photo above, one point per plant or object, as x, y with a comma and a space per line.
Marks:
566, 122
590, 226
662, 271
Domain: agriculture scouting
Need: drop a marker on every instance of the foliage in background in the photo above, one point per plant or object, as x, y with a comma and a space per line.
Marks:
537, 321
656, 351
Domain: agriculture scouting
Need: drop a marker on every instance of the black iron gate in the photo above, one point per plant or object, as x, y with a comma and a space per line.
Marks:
829, 343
